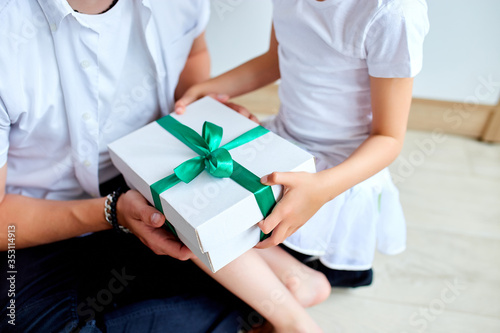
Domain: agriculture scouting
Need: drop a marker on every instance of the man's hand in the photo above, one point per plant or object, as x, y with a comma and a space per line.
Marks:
145, 222
304, 194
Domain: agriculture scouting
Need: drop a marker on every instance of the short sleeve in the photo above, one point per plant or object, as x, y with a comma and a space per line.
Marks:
394, 39
4, 133
204, 16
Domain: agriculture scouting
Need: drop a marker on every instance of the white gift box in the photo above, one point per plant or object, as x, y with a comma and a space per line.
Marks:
215, 217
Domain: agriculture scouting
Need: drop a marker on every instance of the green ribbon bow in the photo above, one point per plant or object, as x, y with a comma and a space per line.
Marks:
216, 160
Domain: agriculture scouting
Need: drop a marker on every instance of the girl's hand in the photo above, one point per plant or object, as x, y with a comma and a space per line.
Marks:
243, 111
196, 92
304, 194
145, 222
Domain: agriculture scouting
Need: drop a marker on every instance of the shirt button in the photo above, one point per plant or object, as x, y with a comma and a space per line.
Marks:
87, 163
86, 116
85, 64
53, 27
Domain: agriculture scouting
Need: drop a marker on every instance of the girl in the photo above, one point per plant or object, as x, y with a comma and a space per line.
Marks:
346, 70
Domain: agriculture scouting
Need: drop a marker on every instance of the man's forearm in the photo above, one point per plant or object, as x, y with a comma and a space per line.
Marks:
41, 221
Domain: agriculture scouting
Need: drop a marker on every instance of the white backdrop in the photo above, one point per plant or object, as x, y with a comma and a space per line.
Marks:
238, 31
461, 55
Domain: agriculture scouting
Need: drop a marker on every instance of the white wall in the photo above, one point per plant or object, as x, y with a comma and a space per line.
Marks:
461, 52
238, 31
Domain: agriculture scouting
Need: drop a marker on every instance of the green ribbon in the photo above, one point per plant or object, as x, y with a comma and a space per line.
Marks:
216, 160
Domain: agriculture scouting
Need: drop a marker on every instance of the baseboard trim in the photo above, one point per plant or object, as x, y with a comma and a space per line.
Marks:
472, 120
454, 118
492, 130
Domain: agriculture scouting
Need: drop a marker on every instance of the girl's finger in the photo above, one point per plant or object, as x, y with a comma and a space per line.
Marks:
279, 178
223, 98
254, 119
184, 101
278, 236
180, 105
279, 213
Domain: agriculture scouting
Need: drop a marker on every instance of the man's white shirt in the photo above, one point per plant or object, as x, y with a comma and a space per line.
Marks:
71, 83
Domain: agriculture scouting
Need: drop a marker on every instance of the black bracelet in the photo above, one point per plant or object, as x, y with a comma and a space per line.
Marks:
110, 211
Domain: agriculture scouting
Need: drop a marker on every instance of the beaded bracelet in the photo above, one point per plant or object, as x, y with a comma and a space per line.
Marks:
110, 211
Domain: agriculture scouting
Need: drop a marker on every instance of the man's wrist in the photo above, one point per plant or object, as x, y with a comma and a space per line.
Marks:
88, 214
110, 211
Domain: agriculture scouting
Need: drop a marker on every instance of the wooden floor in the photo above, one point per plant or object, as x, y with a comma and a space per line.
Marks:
448, 279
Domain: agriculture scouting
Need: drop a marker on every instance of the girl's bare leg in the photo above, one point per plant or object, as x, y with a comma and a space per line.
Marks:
308, 286
251, 279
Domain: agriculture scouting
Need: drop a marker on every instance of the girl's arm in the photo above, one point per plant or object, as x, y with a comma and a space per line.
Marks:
306, 193
250, 76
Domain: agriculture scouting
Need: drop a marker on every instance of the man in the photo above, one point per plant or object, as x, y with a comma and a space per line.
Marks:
76, 75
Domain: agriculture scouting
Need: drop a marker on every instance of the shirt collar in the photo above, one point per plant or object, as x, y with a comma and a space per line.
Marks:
146, 3
55, 11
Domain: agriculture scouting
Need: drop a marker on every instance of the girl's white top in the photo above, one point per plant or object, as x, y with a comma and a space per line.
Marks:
328, 50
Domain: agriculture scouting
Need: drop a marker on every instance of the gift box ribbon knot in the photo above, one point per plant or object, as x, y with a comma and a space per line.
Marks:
216, 160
